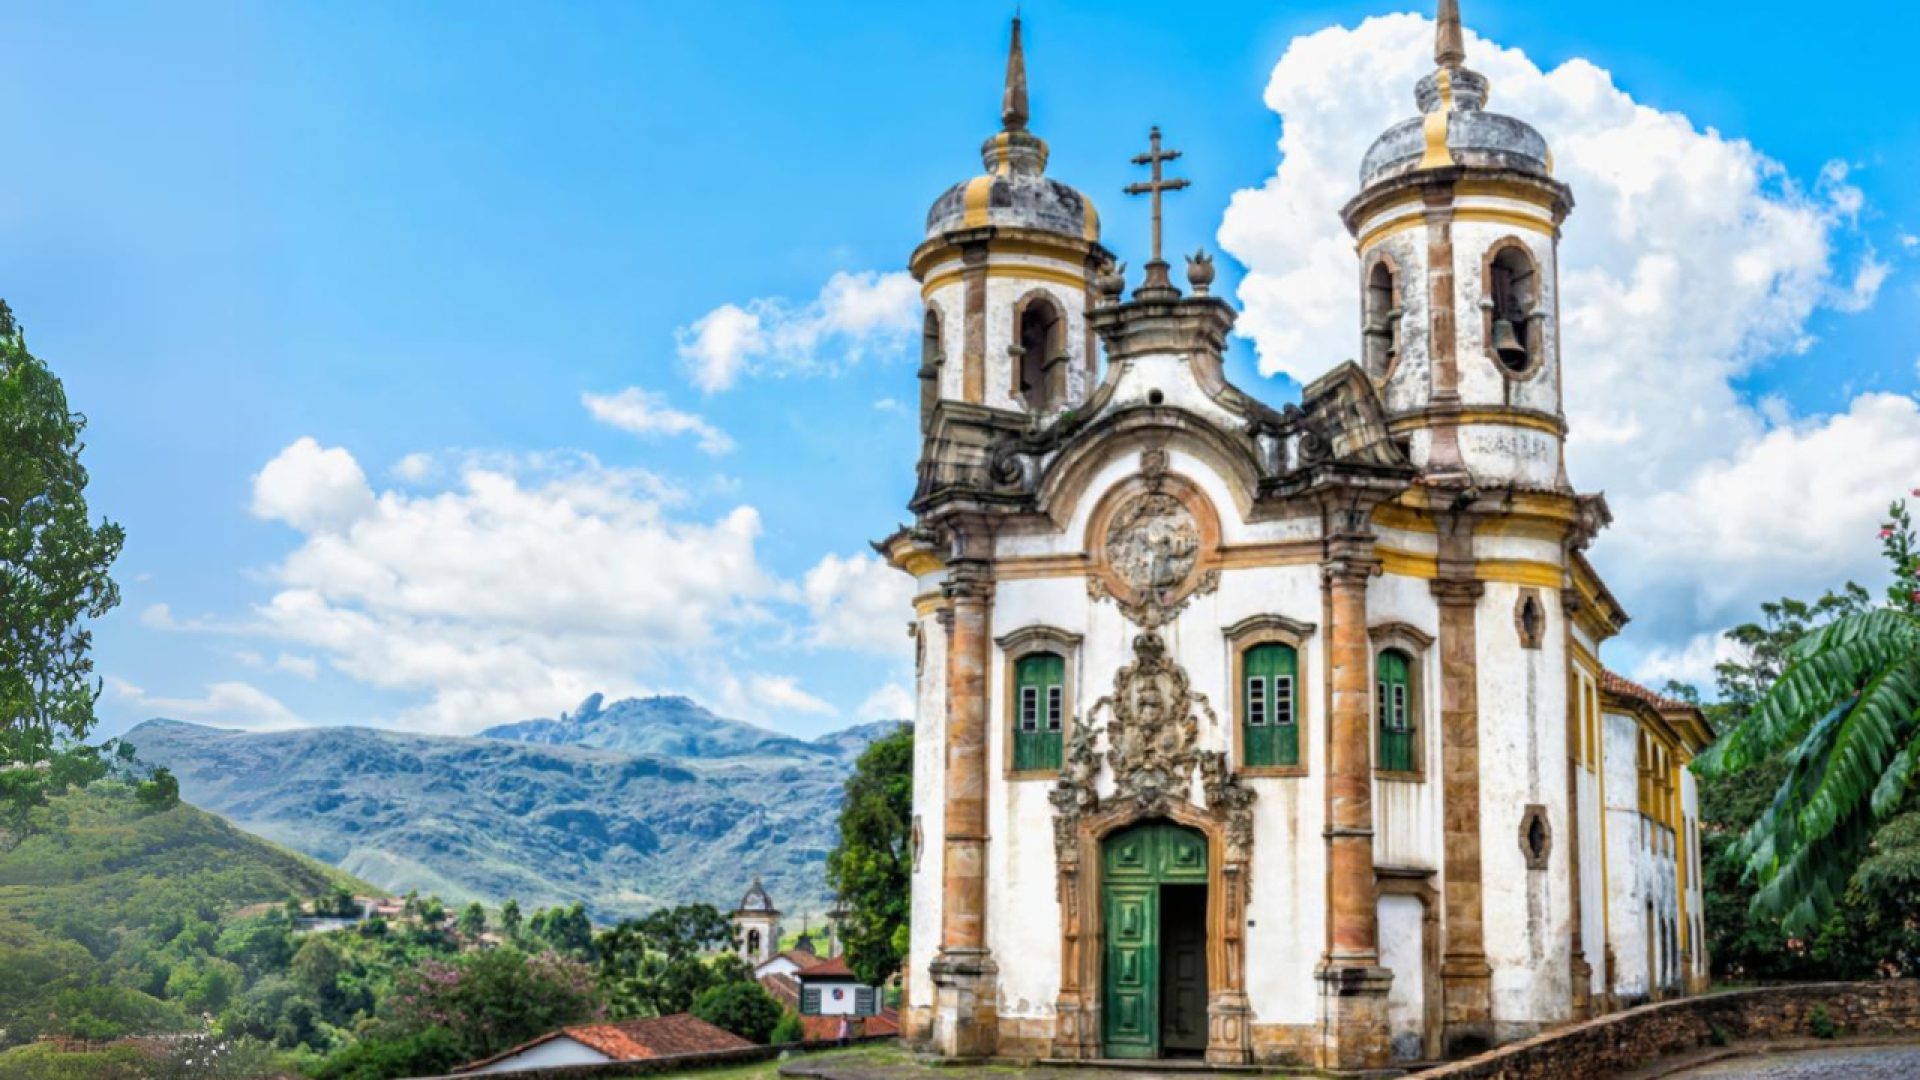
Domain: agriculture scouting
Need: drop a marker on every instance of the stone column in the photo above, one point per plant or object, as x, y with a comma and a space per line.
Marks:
963, 973
1466, 979
1353, 985
973, 325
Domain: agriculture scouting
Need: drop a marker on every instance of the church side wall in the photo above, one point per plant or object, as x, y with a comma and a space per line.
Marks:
1523, 763
930, 802
1629, 874
1407, 826
1410, 383
950, 300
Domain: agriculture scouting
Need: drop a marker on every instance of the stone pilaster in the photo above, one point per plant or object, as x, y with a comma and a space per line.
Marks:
1579, 971
963, 973
1353, 985
973, 326
1465, 977
1443, 454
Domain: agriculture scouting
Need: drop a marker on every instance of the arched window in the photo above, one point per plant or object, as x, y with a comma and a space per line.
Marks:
931, 357
753, 944
1513, 310
1393, 704
1040, 354
1269, 724
1381, 331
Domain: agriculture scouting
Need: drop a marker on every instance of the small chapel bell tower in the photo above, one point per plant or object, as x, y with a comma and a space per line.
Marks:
1004, 273
1458, 223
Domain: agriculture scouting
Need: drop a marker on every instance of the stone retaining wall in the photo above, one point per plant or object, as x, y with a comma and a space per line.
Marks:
1633, 1039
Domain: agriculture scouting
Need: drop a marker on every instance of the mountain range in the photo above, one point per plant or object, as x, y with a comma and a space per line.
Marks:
624, 807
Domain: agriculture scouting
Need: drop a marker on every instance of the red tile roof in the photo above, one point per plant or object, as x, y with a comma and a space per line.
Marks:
835, 968
634, 1040
784, 988
1615, 684
805, 958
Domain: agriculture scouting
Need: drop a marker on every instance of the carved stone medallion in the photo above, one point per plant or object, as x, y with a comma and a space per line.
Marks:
1153, 543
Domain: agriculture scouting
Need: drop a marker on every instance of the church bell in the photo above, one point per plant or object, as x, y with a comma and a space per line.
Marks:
1506, 345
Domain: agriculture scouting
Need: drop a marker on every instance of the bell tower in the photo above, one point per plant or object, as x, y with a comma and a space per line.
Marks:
1004, 277
1458, 228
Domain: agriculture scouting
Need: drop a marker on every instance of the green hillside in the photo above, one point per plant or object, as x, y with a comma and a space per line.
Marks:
111, 912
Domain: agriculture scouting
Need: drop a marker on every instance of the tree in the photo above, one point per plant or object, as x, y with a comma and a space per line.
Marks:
566, 930
744, 1008
493, 999
510, 918
790, 1029
473, 920
1845, 713
53, 577
651, 966
161, 791
872, 866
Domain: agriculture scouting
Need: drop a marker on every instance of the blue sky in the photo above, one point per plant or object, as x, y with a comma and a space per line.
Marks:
430, 229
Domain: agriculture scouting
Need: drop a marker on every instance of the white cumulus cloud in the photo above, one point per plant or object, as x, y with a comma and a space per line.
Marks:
312, 489
233, 704
854, 315
644, 412
1690, 259
891, 701
859, 602
783, 694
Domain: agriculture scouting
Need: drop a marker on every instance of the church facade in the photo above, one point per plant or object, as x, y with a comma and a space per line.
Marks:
1273, 734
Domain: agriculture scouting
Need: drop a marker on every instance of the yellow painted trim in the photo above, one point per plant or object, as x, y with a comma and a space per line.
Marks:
1031, 567
916, 561
1407, 563
978, 189
1434, 126
1392, 228
1504, 217
1520, 572
1077, 282
928, 604
1234, 557
1584, 659
1468, 187
1404, 518
1090, 227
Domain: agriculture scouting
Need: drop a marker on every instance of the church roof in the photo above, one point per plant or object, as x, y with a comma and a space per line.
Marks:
1014, 192
1454, 128
756, 900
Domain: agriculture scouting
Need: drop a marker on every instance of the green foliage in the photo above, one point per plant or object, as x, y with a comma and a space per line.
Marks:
473, 920
564, 929
1843, 714
53, 577
159, 791
744, 1008
1820, 1023
379, 1057
870, 870
651, 966
494, 999
790, 1029
510, 918
202, 1057
116, 919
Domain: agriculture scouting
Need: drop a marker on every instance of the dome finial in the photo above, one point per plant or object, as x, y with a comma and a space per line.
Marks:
1013, 102
1449, 45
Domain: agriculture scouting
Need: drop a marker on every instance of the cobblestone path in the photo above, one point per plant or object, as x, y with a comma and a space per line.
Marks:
1854, 1063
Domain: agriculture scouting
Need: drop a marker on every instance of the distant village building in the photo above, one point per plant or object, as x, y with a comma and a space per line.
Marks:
1273, 735
599, 1044
756, 925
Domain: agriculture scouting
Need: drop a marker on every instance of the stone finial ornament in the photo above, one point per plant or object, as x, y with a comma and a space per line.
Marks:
1449, 44
1111, 282
1013, 101
1200, 271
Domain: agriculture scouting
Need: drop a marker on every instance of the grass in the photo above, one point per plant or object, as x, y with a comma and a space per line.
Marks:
882, 1053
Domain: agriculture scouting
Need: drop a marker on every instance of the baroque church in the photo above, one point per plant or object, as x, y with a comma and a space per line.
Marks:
1273, 733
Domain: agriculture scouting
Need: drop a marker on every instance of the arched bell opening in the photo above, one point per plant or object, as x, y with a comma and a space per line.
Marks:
1380, 329
932, 357
1040, 354
1514, 320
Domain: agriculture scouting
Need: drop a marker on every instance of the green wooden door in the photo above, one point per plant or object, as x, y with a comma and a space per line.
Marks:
1136, 863
1391, 701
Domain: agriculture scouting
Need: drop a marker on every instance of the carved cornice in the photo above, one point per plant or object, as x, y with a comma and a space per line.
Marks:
1027, 637
1382, 633
1277, 627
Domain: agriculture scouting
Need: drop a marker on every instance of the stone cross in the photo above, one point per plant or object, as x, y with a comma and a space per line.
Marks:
1155, 157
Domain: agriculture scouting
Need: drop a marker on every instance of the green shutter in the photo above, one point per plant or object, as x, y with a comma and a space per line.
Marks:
1269, 706
1393, 700
1039, 710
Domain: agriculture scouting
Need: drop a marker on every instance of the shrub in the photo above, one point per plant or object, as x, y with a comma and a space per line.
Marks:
1820, 1022
744, 1008
423, 1053
788, 1030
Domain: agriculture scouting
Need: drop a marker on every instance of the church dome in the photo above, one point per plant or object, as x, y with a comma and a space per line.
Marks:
1454, 128
1015, 191
756, 898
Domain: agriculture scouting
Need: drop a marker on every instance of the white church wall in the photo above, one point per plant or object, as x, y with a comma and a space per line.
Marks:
1696, 900
1411, 382
950, 301
1593, 893
1403, 952
1628, 872
552, 1054
1522, 699
930, 804
1481, 382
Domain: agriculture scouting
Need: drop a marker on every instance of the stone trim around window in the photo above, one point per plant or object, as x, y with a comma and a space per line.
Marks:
1024, 642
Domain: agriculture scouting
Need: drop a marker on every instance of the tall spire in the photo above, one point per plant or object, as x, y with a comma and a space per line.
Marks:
1449, 46
1013, 103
